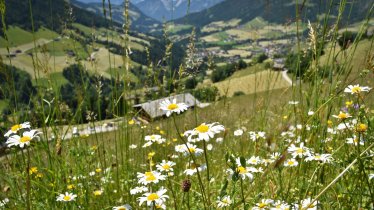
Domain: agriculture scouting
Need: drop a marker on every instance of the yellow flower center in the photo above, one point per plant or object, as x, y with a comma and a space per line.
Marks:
152, 197
15, 128
361, 128
25, 139
290, 162
192, 150
299, 151
262, 205
348, 103
98, 192
173, 106
194, 166
166, 167
67, 198
149, 176
202, 128
356, 89
343, 115
318, 157
355, 140
121, 208
33, 170
241, 170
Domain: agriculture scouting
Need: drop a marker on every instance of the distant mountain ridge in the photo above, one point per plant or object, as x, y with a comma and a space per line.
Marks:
117, 2
139, 21
173, 9
277, 11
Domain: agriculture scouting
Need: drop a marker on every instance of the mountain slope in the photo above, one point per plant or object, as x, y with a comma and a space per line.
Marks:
166, 9
49, 14
276, 11
139, 21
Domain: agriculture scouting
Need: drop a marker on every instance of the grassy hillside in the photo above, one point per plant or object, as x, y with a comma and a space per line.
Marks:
17, 36
251, 83
49, 14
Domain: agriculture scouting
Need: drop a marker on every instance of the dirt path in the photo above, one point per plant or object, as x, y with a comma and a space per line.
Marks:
286, 77
25, 47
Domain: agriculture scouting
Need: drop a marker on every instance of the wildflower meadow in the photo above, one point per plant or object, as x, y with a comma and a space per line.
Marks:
306, 146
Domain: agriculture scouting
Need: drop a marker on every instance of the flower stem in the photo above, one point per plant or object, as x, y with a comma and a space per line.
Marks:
194, 160
28, 187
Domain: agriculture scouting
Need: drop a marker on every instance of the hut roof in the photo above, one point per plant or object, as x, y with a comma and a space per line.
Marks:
152, 108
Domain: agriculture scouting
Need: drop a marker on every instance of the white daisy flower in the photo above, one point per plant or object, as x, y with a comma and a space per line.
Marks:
15, 128
280, 205
165, 166
171, 107
133, 146
147, 144
26, 138
204, 131
291, 163
275, 156
243, 172
158, 197
66, 197
254, 160
224, 202
123, 207
193, 169
190, 148
150, 177
254, 136
307, 204
267, 161
209, 147
238, 132
310, 113
4, 202
299, 151
152, 138
219, 140
355, 140
138, 190
356, 89
264, 204
160, 206
324, 158
342, 115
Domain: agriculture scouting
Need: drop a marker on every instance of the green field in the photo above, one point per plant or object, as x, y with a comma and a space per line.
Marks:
17, 36
55, 79
252, 83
